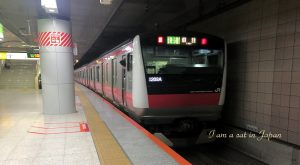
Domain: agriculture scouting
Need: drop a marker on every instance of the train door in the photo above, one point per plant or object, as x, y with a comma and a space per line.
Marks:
92, 77
96, 78
124, 82
105, 78
101, 78
88, 77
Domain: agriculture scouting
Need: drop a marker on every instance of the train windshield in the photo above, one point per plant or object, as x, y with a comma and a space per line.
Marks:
182, 60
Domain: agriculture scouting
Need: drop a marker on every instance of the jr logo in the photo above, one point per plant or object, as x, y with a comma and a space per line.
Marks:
55, 38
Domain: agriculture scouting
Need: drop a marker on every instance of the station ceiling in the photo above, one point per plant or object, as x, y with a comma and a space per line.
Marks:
97, 28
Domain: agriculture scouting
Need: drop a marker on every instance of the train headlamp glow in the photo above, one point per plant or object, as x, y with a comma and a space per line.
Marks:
155, 79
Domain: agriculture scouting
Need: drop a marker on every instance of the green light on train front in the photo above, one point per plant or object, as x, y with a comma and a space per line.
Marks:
173, 40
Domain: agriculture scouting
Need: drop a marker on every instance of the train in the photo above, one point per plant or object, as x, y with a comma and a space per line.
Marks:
167, 82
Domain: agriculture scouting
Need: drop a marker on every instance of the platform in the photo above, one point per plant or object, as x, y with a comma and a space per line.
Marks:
27, 137
97, 134
139, 146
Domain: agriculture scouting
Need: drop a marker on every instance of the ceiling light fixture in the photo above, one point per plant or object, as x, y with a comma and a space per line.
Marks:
105, 2
49, 6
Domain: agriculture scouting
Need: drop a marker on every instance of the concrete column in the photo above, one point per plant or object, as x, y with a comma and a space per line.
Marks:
55, 43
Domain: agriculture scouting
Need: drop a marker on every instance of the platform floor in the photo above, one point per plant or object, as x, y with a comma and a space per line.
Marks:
140, 146
27, 137
98, 133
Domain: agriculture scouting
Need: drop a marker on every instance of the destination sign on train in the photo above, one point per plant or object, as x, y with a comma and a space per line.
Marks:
181, 40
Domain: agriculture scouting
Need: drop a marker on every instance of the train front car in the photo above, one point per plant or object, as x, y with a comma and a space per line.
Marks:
185, 77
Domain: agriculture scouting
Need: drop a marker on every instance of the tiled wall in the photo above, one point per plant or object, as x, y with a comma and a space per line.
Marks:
263, 65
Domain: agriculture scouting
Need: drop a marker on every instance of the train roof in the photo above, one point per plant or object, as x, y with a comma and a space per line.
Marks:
149, 34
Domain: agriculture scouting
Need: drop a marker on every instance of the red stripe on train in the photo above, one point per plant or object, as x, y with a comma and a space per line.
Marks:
182, 100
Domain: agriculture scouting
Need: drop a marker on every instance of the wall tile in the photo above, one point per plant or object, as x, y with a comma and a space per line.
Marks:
292, 137
266, 66
267, 120
283, 123
268, 32
293, 125
297, 50
286, 16
253, 45
297, 38
278, 65
295, 101
265, 76
252, 67
251, 87
276, 99
254, 35
277, 88
252, 56
285, 101
265, 87
286, 77
285, 89
280, 41
269, 43
267, 109
294, 114
288, 52
295, 77
296, 65
284, 112
277, 76
275, 121
295, 89
267, 54
298, 25
287, 65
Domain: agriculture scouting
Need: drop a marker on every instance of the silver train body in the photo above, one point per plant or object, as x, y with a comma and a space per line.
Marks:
162, 79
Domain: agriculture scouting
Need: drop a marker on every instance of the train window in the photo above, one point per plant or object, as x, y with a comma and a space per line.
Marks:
91, 74
129, 62
97, 74
106, 70
180, 60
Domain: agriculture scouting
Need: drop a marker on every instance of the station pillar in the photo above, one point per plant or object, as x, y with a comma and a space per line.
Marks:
56, 57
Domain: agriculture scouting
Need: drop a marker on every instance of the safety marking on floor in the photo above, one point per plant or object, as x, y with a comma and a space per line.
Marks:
108, 149
58, 128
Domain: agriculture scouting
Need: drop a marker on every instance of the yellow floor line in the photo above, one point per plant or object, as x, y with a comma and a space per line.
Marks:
108, 149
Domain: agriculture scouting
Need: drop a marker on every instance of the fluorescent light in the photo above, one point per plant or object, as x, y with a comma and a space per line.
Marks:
105, 2
50, 6
1, 32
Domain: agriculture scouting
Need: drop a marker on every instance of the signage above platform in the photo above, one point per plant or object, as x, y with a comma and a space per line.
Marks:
18, 56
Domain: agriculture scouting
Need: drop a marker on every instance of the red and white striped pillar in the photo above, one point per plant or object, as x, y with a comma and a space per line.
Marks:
54, 37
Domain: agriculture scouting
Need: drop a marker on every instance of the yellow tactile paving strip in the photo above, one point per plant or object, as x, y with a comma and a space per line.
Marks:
108, 149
